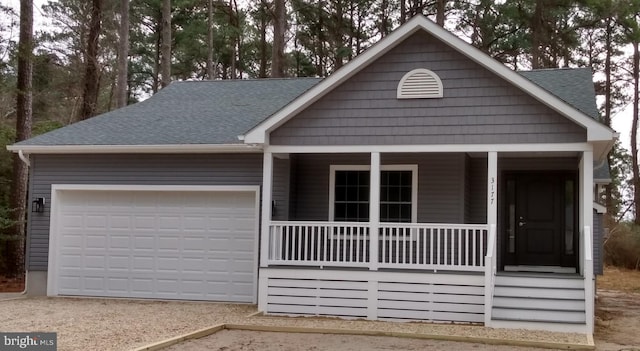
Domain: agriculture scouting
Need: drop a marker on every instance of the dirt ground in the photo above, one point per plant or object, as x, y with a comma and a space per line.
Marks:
617, 321
11, 285
240, 340
618, 310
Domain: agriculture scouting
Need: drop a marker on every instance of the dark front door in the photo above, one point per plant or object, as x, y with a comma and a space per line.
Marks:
541, 212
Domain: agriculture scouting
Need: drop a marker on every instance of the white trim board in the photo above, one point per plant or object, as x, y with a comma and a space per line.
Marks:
136, 149
57, 189
414, 184
595, 130
338, 149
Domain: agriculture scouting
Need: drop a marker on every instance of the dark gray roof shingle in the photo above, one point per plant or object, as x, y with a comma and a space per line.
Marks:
192, 112
216, 112
573, 85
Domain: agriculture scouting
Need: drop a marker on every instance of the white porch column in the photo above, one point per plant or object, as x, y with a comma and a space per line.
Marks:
492, 220
586, 235
586, 202
267, 184
374, 210
492, 188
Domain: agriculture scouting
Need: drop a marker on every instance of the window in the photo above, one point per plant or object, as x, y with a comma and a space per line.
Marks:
349, 193
351, 196
395, 196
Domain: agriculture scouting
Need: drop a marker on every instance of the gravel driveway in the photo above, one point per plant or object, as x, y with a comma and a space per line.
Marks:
111, 324
118, 324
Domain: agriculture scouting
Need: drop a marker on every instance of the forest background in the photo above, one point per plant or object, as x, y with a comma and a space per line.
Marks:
86, 57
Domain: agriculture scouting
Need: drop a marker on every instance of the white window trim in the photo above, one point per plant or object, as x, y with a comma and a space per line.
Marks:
414, 184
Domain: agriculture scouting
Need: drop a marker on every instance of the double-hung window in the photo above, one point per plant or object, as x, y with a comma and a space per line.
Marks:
349, 193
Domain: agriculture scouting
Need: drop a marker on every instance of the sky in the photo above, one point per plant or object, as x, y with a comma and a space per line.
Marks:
621, 122
38, 19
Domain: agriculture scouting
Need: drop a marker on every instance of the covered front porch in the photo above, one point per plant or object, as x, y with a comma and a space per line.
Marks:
423, 234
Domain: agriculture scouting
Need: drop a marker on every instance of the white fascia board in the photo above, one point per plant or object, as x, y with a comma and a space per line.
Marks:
595, 130
601, 148
258, 133
304, 149
136, 149
599, 208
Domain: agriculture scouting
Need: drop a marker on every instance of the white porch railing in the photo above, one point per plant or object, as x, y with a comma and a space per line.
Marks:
343, 244
432, 246
459, 247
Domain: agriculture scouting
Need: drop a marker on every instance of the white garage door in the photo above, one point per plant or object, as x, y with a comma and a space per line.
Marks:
167, 244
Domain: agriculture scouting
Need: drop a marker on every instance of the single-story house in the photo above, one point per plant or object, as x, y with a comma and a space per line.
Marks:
421, 181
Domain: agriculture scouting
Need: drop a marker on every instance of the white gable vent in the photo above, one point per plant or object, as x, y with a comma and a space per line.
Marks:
420, 84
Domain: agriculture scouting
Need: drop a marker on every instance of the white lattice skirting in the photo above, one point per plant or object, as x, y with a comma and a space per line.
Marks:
398, 296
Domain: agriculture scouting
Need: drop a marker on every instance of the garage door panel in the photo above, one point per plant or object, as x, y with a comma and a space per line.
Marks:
168, 244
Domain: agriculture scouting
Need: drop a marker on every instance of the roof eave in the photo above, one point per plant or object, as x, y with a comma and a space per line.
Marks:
136, 149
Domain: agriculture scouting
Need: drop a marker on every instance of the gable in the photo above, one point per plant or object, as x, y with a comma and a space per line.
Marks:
477, 107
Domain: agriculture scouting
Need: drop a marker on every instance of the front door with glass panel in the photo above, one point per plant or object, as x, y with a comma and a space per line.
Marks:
540, 215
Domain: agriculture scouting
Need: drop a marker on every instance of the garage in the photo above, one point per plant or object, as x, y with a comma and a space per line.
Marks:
161, 242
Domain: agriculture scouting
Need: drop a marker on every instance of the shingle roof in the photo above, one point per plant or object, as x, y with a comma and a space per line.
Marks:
216, 112
573, 85
601, 172
192, 112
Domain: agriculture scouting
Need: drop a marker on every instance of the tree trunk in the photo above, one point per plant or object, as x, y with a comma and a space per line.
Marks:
210, 73
233, 40
156, 60
403, 11
536, 35
277, 56
165, 63
262, 73
14, 255
609, 203
91, 80
123, 56
440, 8
384, 18
337, 37
634, 133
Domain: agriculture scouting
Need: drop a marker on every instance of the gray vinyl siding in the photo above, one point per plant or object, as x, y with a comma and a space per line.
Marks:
467, 189
214, 169
280, 191
598, 242
477, 183
440, 184
477, 107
